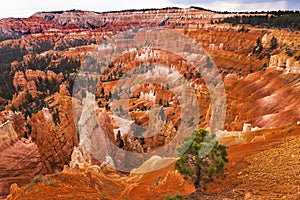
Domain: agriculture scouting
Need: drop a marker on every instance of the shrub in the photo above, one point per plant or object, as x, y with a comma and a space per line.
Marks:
290, 52
37, 179
51, 183
176, 197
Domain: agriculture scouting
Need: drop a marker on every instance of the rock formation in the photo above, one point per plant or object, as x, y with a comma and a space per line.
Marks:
8, 136
19, 162
18, 122
153, 164
95, 129
55, 141
54, 22
80, 157
283, 62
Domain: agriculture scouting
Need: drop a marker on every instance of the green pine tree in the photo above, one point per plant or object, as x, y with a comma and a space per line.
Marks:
274, 43
201, 168
258, 48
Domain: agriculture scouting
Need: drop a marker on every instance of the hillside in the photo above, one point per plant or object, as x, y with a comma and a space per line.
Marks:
262, 168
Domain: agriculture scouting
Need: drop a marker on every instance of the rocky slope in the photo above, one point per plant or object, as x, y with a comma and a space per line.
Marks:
48, 148
255, 171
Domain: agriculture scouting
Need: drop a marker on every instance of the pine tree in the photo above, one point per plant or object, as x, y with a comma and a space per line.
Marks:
258, 48
102, 92
274, 43
120, 140
162, 114
160, 102
121, 144
209, 64
201, 168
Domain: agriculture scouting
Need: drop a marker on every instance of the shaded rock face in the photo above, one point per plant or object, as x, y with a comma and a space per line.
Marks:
55, 137
106, 125
18, 163
49, 147
19, 159
42, 134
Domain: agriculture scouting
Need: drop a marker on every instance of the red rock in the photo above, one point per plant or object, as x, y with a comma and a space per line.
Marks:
18, 163
55, 141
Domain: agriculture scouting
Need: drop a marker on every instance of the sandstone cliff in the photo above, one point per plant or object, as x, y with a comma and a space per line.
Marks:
55, 138
84, 20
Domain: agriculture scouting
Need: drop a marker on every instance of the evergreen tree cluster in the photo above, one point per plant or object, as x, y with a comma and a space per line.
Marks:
280, 19
31, 105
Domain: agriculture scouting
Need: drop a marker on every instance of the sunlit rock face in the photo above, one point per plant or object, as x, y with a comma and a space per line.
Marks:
55, 140
94, 129
8, 136
80, 157
284, 63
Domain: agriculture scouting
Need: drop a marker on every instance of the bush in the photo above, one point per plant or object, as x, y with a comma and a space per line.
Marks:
243, 29
176, 197
37, 179
264, 67
290, 52
49, 182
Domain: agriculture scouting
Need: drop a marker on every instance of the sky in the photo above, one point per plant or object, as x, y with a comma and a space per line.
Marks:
21, 8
